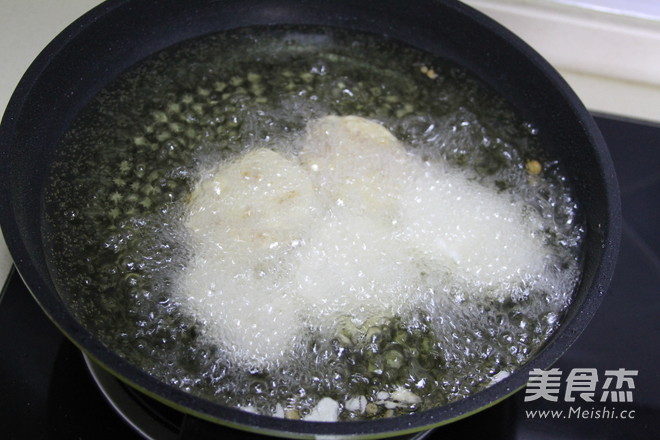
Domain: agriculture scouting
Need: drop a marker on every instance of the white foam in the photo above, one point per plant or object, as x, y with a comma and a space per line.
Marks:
353, 225
327, 410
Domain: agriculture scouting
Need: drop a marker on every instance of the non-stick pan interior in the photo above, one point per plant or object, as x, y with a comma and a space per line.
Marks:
93, 51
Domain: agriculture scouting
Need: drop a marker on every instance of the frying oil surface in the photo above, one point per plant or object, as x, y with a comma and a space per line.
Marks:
215, 222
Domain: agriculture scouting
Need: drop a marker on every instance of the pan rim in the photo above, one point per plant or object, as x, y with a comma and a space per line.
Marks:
82, 338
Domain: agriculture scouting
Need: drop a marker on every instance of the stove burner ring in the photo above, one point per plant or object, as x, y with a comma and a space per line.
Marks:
149, 418
154, 420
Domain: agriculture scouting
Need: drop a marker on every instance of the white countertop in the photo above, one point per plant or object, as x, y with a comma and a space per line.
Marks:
612, 60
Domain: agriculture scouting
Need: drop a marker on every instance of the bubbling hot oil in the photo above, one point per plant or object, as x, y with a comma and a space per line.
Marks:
382, 314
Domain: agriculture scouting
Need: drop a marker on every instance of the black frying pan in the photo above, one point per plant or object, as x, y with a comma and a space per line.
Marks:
117, 34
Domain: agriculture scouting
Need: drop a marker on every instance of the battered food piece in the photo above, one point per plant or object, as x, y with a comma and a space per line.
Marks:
245, 218
260, 201
354, 227
356, 163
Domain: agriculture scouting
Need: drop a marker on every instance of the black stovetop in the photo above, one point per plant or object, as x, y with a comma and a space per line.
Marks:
46, 391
